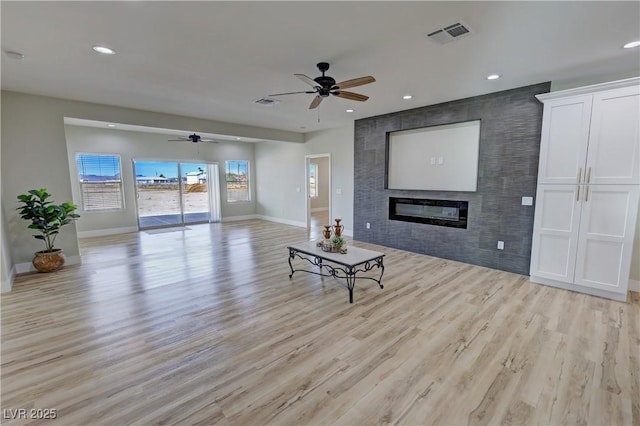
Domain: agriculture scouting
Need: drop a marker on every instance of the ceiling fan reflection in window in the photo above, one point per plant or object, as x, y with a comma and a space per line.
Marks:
324, 86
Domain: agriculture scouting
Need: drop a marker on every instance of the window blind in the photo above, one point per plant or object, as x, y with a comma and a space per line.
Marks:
100, 181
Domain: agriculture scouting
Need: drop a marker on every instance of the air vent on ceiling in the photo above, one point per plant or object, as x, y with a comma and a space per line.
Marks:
449, 33
267, 101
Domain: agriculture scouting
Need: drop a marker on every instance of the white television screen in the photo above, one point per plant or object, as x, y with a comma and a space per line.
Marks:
438, 158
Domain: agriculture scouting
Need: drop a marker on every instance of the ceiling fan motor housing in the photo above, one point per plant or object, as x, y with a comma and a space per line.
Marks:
324, 81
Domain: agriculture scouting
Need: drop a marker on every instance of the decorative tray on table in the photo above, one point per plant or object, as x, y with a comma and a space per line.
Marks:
333, 241
330, 247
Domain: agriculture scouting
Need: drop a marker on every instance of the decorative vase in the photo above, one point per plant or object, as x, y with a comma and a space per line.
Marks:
337, 228
327, 232
48, 261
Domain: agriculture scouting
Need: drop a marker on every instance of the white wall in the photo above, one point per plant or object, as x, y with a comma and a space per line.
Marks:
322, 200
6, 264
280, 172
281, 180
34, 153
149, 146
635, 255
339, 143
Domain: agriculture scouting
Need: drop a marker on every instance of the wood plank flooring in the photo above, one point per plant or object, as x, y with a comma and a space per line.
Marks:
203, 326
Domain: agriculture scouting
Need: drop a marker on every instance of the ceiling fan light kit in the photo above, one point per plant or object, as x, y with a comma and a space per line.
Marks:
324, 85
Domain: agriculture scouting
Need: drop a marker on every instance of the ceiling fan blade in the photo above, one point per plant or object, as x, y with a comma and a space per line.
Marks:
311, 82
315, 102
178, 140
354, 82
290, 93
351, 96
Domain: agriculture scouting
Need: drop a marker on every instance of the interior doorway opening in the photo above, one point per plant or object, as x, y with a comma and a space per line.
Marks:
170, 193
318, 192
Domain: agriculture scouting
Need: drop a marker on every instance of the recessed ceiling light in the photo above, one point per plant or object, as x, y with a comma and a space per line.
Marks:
407, 97
238, 139
104, 50
111, 125
14, 55
632, 44
493, 77
350, 110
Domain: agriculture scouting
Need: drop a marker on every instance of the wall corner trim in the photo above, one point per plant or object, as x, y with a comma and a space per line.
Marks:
7, 285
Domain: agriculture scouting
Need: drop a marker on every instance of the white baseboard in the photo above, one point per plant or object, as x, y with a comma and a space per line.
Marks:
320, 209
7, 285
23, 268
346, 232
620, 297
237, 218
285, 221
634, 285
108, 231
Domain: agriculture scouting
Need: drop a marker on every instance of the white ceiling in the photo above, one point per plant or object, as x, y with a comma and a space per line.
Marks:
212, 60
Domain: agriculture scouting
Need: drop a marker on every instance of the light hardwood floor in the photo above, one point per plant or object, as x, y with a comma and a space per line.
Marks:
204, 326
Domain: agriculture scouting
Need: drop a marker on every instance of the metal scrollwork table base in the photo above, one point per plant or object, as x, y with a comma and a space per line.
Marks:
344, 266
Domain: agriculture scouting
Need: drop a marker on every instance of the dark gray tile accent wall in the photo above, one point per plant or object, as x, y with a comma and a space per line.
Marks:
507, 171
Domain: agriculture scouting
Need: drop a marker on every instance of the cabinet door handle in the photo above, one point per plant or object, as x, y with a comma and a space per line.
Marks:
586, 195
577, 192
589, 175
579, 174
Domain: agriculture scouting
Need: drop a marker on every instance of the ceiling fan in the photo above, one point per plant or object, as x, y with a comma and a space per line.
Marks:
323, 86
192, 138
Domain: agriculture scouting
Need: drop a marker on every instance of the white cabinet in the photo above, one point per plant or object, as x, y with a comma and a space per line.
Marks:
588, 188
555, 235
605, 240
583, 235
613, 153
563, 144
591, 139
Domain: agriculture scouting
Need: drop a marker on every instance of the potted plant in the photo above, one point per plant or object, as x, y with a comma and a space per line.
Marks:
47, 218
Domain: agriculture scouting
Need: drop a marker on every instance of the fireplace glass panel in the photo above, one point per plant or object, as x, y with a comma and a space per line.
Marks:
433, 212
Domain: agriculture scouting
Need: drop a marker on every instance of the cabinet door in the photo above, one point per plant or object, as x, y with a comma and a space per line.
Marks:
555, 232
614, 138
607, 228
564, 139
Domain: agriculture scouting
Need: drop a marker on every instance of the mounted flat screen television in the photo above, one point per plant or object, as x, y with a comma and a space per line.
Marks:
437, 158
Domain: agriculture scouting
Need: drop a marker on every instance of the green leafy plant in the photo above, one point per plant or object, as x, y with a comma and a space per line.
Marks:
337, 240
45, 216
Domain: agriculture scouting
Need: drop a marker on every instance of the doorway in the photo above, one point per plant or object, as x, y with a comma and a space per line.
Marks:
318, 191
170, 193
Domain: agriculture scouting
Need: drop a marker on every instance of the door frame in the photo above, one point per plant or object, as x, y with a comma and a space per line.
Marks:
307, 204
214, 182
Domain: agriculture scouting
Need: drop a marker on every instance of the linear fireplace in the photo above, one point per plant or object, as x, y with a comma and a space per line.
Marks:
432, 212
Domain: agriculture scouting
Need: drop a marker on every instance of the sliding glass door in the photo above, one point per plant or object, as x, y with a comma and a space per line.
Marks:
173, 194
195, 193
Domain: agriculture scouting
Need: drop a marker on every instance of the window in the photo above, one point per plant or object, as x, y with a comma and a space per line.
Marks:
237, 178
313, 180
100, 181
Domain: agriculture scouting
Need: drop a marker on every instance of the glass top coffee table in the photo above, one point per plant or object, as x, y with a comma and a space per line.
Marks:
344, 266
